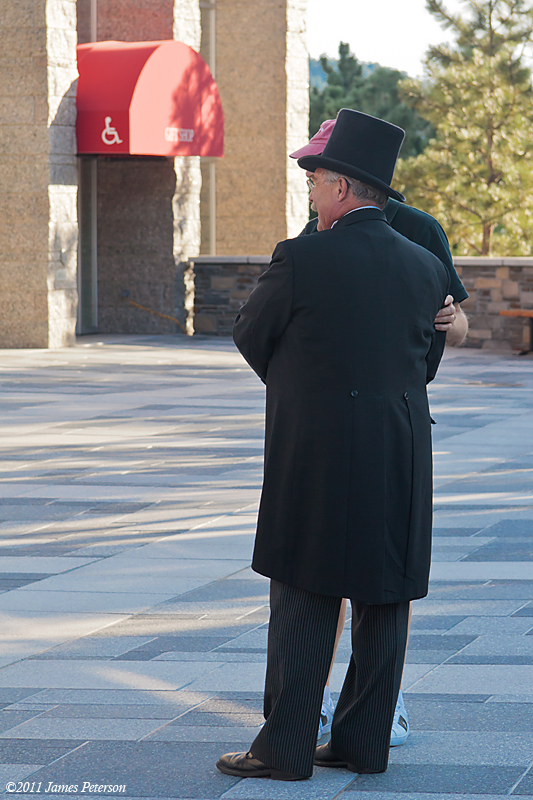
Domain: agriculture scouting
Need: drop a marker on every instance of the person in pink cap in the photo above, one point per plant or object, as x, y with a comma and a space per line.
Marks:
423, 229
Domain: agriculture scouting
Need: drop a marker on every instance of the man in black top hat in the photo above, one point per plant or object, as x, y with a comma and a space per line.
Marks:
420, 228
423, 229
346, 501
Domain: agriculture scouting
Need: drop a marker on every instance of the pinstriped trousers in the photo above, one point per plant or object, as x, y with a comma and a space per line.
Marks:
301, 638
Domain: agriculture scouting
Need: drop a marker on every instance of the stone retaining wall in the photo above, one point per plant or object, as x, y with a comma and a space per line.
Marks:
221, 284
494, 285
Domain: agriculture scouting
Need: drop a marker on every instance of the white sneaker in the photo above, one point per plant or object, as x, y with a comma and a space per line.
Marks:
326, 715
400, 724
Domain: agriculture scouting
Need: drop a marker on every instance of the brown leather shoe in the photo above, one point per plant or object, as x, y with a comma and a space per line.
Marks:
325, 757
244, 765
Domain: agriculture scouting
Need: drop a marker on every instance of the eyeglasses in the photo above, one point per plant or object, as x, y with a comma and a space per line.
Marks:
311, 183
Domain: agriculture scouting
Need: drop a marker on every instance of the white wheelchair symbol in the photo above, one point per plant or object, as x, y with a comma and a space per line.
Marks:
110, 134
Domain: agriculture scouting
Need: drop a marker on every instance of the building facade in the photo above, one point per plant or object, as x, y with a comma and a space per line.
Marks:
86, 240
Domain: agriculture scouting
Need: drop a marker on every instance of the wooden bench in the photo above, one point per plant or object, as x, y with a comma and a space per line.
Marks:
522, 312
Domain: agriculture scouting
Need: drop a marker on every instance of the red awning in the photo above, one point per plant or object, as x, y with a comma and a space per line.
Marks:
147, 98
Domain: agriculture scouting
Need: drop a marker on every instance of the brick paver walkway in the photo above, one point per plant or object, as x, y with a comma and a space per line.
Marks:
133, 630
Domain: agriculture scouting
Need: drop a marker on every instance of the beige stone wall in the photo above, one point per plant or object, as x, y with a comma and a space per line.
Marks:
37, 185
260, 76
23, 176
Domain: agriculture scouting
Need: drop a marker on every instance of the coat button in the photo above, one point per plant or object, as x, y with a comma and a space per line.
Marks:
406, 396
354, 392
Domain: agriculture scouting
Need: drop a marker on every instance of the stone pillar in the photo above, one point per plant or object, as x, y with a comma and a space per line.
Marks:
63, 186
261, 72
297, 121
186, 200
186, 22
38, 178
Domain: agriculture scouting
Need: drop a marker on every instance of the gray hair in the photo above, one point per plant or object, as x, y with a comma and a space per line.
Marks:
361, 191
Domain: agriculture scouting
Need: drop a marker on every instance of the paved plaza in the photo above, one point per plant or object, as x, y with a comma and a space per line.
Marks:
133, 632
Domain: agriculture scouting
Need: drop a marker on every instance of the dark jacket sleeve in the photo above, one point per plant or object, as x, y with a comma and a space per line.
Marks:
267, 312
310, 227
437, 243
434, 356
438, 340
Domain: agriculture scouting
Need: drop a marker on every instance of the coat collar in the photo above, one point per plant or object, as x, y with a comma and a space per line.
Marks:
360, 215
391, 209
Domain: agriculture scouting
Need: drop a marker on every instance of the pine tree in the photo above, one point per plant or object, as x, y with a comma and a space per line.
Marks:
341, 83
375, 91
476, 175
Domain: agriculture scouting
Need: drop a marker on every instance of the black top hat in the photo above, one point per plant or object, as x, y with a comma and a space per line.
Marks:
362, 147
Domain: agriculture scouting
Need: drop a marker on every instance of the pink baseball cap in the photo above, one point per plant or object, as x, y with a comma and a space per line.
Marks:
318, 142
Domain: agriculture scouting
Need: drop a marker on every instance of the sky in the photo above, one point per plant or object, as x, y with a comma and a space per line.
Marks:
393, 33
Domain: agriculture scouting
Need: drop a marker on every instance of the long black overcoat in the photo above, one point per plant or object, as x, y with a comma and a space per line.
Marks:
341, 330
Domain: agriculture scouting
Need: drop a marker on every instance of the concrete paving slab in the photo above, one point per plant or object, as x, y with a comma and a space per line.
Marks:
96, 647
497, 626
465, 748
324, 785
197, 733
472, 678
182, 700
149, 769
500, 645
116, 711
41, 564
483, 590
438, 714
228, 677
85, 729
426, 796
461, 571
123, 574
223, 656
438, 779
511, 698
57, 601
13, 773
26, 751
34, 631
237, 544
472, 608
237, 609
9, 719
108, 675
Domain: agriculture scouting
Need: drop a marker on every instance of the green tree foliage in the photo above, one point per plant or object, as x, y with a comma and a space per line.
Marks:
374, 92
476, 175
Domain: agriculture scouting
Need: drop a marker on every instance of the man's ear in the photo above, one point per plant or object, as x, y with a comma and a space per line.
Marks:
342, 191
